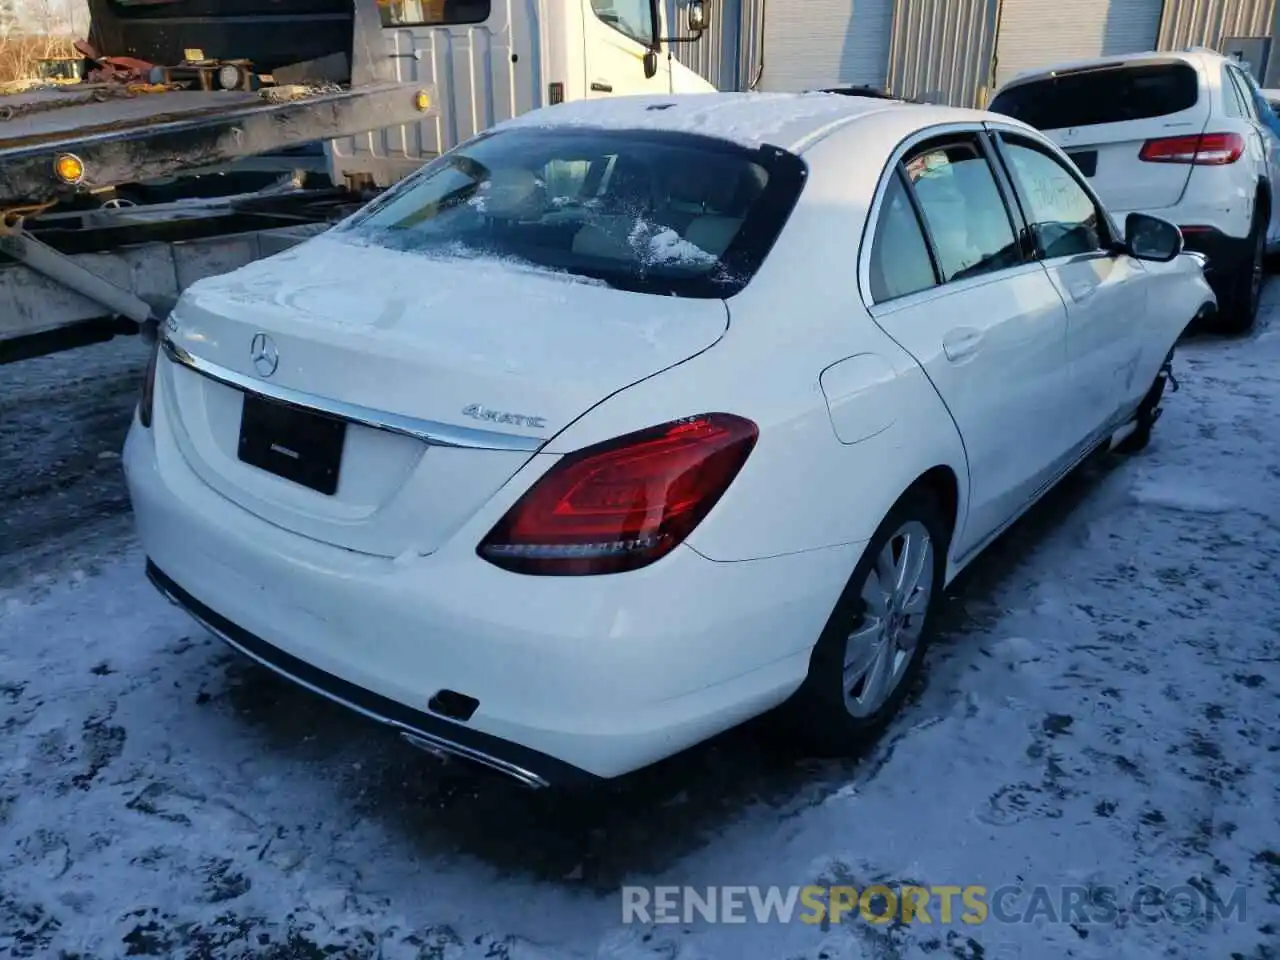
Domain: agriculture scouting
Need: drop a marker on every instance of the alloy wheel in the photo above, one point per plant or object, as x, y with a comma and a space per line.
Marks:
895, 599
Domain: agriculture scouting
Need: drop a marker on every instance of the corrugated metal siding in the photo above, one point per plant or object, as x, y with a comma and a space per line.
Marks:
822, 43
1188, 23
941, 50
715, 56
1037, 33
750, 37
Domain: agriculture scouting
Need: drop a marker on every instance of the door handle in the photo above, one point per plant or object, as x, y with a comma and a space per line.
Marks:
601, 86
961, 343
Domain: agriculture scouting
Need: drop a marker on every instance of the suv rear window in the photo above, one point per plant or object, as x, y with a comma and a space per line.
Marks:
1102, 95
655, 212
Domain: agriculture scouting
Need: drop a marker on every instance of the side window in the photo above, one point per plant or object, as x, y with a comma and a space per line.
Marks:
432, 13
963, 209
632, 18
565, 181
1231, 99
900, 261
1065, 220
1246, 94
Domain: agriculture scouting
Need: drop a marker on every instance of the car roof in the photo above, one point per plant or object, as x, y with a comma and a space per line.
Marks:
792, 121
1196, 57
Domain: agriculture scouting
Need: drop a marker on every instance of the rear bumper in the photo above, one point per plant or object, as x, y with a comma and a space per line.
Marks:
529, 767
1225, 254
571, 677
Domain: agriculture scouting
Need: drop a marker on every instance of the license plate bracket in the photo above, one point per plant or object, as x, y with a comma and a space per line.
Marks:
292, 442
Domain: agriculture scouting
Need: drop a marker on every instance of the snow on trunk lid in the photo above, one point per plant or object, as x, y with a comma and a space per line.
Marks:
463, 348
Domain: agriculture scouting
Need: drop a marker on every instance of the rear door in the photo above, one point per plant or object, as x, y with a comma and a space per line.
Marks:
1103, 116
950, 282
481, 57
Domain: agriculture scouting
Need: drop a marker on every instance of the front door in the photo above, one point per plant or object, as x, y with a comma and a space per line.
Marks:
956, 289
617, 35
1105, 292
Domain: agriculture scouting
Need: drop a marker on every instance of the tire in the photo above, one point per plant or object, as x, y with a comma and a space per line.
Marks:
834, 711
1243, 290
1148, 412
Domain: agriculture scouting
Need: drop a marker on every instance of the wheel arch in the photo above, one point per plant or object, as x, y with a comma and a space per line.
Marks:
941, 483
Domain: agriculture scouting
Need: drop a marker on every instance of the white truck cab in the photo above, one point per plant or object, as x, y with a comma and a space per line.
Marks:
489, 60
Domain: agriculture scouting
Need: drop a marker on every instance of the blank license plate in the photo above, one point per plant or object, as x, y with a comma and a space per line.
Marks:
293, 443
1086, 160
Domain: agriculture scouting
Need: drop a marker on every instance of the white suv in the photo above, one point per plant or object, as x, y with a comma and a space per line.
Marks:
1177, 135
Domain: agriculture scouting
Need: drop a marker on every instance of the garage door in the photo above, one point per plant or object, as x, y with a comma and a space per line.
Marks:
1040, 33
825, 43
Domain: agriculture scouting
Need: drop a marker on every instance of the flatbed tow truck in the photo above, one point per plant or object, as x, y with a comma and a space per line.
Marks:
174, 88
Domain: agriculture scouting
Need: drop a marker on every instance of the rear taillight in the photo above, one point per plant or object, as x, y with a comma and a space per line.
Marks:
147, 400
1205, 149
622, 504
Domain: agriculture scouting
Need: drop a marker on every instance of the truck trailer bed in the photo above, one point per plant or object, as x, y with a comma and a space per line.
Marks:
123, 137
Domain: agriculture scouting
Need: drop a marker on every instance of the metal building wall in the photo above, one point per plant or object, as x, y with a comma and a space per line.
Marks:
941, 50
1188, 23
715, 56
1038, 33
750, 37
814, 43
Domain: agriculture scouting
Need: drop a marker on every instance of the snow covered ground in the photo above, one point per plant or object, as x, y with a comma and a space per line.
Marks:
1103, 711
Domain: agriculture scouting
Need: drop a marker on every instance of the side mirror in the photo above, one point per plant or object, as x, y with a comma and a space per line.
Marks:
699, 17
650, 64
1150, 238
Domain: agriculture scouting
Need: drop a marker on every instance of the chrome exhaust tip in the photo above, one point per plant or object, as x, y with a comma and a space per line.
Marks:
445, 751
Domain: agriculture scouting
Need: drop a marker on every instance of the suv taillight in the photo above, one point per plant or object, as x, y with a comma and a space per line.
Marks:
147, 399
1205, 149
622, 504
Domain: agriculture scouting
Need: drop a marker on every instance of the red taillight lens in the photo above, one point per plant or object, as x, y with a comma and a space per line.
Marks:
147, 400
1205, 149
622, 504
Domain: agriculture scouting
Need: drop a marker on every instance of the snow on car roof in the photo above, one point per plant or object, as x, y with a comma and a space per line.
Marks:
786, 120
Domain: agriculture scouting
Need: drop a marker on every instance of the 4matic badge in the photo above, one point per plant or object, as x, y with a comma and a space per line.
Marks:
476, 412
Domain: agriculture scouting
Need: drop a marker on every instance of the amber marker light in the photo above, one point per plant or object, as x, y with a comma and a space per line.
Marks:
69, 168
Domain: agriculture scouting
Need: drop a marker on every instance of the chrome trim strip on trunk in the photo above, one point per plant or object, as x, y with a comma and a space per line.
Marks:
423, 741
428, 431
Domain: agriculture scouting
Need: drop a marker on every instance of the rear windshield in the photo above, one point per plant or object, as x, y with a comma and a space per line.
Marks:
658, 212
1106, 95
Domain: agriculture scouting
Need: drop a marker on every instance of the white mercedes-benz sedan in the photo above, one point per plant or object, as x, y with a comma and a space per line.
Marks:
629, 420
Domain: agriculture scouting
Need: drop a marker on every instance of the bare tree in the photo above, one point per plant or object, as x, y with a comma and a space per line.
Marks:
37, 30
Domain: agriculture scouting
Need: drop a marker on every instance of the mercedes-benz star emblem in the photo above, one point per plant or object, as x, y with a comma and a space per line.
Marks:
265, 355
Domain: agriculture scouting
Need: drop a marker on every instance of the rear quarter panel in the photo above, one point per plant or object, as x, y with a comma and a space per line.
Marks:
802, 487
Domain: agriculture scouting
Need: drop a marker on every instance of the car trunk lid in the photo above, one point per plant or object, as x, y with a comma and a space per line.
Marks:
447, 375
